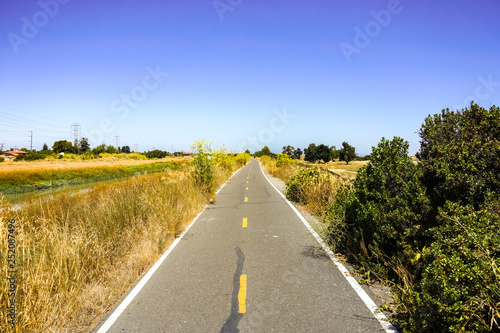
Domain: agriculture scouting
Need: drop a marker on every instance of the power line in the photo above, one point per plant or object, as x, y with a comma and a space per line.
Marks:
22, 126
32, 115
7, 131
26, 120
13, 124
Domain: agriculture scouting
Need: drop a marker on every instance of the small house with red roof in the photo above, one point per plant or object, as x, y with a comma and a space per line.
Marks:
12, 154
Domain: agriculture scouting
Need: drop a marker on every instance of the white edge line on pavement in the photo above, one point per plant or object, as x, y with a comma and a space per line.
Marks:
382, 319
130, 297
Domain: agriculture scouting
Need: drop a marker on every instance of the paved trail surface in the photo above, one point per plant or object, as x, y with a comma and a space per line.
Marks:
248, 264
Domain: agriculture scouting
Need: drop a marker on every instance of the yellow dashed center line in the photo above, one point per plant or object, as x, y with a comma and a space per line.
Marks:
245, 220
246, 199
247, 188
242, 294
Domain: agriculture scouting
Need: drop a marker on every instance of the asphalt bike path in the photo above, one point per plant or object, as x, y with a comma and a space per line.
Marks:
247, 264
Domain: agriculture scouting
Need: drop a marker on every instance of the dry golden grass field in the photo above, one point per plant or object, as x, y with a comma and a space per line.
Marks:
9, 165
347, 171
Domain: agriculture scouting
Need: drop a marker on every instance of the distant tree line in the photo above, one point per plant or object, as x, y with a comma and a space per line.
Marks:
64, 147
317, 153
161, 153
264, 152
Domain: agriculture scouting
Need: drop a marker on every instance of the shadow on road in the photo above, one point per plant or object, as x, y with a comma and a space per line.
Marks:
231, 324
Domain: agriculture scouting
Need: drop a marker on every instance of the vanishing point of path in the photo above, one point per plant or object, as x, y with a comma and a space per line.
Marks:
248, 264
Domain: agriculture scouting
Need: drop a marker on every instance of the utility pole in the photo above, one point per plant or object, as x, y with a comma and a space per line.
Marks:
76, 136
31, 145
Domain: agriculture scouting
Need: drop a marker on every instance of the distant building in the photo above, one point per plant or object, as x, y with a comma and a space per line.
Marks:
12, 154
187, 154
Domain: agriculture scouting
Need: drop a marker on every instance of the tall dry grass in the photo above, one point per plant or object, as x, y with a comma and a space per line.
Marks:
284, 171
317, 189
79, 253
321, 193
346, 171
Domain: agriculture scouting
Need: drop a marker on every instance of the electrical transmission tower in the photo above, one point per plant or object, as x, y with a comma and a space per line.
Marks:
76, 135
31, 144
1, 146
117, 137
136, 147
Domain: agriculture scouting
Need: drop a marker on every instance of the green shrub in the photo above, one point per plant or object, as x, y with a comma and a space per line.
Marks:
224, 159
204, 166
265, 159
121, 156
295, 187
136, 156
459, 154
283, 160
2, 159
432, 228
387, 215
86, 156
243, 158
156, 154
33, 156
69, 156
460, 286
337, 234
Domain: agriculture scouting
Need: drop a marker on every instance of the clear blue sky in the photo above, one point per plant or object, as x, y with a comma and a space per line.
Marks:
241, 73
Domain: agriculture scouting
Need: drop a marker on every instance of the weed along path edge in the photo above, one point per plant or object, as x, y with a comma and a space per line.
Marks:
249, 264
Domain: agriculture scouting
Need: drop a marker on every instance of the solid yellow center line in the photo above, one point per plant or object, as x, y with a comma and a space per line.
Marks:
246, 199
245, 220
242, 294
